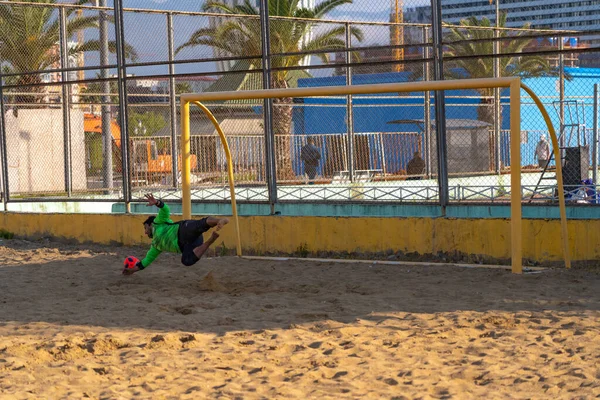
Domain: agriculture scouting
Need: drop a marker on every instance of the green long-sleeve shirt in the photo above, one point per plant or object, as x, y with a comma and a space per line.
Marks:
164, 236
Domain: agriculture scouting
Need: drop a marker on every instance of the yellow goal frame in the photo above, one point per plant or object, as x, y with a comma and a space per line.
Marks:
514, 84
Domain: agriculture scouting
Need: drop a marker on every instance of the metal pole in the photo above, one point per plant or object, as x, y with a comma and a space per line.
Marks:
427, 111
595, 138
349, 113
381, 146
172, 98
270, 170
3, 157
404, 87
561, 91
122, 81
516, 227
497, 73
66, 96
107, 161
439, 100
186, 195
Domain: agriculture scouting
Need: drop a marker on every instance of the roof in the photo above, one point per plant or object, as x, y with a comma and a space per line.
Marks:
236, 121
583, 72
93, 124
248, 81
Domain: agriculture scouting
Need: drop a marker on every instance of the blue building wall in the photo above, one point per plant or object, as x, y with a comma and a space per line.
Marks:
371, 113
328, 115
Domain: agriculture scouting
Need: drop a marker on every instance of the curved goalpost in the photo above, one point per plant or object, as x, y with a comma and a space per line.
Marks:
512, 83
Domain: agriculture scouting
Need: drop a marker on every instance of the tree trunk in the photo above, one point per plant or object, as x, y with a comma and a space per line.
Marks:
485, 110
282, 128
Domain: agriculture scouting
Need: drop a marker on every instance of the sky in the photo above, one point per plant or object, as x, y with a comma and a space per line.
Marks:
147, 31
359, 10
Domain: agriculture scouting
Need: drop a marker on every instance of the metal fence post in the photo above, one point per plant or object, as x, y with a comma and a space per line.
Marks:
439, 99
497, 73
561, 94
349, 113
122, 81
66, 97
382, 151
107, 166
172, 97
427, 111
3, 154
595, 138
270, 168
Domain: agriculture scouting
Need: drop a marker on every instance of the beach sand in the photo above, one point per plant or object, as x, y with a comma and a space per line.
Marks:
72, 327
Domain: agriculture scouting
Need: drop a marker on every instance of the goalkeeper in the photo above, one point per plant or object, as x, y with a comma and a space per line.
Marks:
183, 237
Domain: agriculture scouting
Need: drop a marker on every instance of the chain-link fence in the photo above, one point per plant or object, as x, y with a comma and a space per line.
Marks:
90, 103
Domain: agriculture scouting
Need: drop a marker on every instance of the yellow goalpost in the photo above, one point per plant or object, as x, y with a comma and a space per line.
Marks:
513, 83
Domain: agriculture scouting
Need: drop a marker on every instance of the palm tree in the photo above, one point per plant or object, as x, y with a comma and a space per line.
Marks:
469, 39
241, 37
30, 37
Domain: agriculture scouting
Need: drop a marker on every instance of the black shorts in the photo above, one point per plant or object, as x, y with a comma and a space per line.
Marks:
190, 237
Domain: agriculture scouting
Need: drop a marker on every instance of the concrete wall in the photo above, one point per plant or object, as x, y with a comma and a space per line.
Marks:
35, 150
482, 237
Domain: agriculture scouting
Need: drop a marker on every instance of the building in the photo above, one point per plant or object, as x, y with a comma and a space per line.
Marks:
551, 14
74, 61
54, 93
571, 16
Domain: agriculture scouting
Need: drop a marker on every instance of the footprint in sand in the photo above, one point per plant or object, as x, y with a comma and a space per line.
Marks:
210, 284
184, 310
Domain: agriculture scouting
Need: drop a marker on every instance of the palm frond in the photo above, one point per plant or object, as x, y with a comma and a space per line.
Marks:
95, 45
218, 6
242, 37
328, 5
246, 9
462, 41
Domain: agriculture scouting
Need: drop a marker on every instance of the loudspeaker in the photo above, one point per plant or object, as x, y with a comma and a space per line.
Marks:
576, 166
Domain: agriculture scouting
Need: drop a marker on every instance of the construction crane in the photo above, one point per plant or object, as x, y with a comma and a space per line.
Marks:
398, 33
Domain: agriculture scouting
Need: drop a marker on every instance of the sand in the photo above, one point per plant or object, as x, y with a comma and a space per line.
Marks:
72, 327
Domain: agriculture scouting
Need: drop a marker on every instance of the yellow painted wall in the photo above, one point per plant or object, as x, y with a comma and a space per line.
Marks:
486, 237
